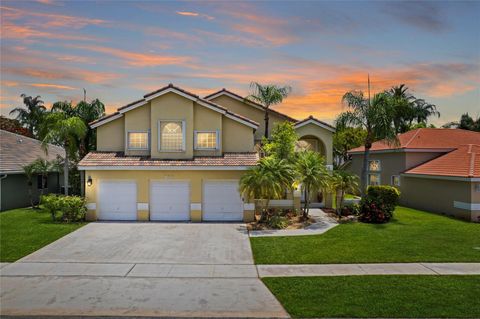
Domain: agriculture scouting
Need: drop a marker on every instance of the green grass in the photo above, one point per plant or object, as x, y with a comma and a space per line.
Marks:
413, 236
379, 296
23, 231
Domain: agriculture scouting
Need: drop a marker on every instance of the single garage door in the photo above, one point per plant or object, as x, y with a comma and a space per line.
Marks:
117, 200
222, 201
170, 200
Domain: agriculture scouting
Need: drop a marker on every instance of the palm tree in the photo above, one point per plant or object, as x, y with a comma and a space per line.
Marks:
268, 95
31, 116
29, 171
466, 123
267, 181
89, 112
43, 167
312, 174
343, 182
375, 116
423, 110
64, 131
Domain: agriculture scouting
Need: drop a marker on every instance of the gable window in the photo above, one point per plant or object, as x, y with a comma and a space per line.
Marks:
172, 136
137, 140
206, 140
374, 166
396, 180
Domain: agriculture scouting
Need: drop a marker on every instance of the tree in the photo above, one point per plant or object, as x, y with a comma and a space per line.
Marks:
343, 182
312, 174
14, 126
64, 131
423, 110
466, 123
268, 95
281, 143
375, 116
31, 116
29, 171
268, 180
42, 167
344, 140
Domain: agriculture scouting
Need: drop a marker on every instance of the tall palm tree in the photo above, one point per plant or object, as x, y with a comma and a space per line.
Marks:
266, 181
31, 116
312, 174
29, 171
89, 112
343, 182
375, 116
423, 110
268, 95
64, 131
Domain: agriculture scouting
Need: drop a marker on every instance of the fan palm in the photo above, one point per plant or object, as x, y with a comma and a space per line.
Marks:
375, 116
31, 116
268, 95
64, 131
267, 181
312, 174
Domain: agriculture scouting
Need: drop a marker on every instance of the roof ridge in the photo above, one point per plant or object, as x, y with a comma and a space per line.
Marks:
411, 139
33, 139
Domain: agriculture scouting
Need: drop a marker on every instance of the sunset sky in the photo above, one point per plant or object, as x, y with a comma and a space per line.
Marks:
121, 50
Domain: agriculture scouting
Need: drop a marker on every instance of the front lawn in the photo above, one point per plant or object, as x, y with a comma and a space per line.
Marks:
24, 230
412, 236
378, 296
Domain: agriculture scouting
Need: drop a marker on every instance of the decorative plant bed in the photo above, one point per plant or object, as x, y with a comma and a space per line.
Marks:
281, 220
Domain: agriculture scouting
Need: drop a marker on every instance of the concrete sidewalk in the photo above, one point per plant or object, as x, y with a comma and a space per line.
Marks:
369, 269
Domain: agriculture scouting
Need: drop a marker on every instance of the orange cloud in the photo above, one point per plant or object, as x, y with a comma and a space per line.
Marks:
52, 86
194, 14
12, 31
138, 59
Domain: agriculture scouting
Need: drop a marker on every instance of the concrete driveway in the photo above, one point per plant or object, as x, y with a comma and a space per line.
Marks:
141, 269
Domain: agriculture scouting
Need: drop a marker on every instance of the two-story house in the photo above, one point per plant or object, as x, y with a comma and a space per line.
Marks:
175, 156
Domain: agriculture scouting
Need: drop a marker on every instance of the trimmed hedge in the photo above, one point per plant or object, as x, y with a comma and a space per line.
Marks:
72, 208
378, 204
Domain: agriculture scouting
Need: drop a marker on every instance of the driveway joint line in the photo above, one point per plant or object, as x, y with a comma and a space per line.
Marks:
130, 270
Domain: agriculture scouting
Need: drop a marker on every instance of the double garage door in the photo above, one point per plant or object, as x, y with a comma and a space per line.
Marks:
170, 201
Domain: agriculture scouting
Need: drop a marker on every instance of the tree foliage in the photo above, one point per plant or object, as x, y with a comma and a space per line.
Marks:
31, 115
345, 139
281, 143
466, 122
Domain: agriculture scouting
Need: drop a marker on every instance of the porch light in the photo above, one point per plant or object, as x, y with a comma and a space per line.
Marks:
89, 181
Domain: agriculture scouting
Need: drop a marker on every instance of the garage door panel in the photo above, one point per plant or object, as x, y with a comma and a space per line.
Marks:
222, 201
170, 200
117, 200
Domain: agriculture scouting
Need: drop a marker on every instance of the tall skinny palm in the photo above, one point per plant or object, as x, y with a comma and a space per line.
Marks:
268, 95
31, 116
312, 174
375, 116
267, 181
64, 131
29, 171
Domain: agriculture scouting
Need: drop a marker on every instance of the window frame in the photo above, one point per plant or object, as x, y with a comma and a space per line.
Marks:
127, 140
379, 178
379, 165
392, 180
217, 140
159, 135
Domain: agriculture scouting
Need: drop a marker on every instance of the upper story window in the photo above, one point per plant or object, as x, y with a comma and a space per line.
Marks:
206, 140
172, 136
374, 166
137, 140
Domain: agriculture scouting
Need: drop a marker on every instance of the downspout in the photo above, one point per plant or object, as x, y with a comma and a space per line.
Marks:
2, 177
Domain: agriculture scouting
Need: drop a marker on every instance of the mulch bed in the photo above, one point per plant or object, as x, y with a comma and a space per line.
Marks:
294, 222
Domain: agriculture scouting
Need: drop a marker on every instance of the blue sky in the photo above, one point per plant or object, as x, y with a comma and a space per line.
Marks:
121, 50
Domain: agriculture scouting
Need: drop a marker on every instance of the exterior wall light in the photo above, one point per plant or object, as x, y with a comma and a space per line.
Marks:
89, 181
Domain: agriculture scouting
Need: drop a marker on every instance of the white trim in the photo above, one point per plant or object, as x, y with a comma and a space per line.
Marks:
408, 150
450, 178
137, 149
195, 206
235, 118
211, 107
217, 137
165, 91
142, 206
165, 168
133, 106
107, 120
246, 101
248, 206
467, 206
313, 121
159, 136
91, 206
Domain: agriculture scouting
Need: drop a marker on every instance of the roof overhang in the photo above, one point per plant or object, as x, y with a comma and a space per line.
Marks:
165, 168
443, 177
315, 122
106, 120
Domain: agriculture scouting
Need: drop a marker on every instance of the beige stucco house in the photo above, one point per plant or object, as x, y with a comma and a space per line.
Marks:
436, 170
175, 156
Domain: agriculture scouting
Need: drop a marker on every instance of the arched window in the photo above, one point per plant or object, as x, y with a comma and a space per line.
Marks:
172, 136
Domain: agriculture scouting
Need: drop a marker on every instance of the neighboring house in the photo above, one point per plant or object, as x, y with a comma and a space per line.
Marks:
436, 170
175, 156
17, 151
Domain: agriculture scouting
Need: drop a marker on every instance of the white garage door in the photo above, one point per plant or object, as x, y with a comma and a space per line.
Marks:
117, 200
222, 201
170, 200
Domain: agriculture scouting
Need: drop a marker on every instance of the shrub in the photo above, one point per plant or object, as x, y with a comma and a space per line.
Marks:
72, 208
278, 222
351, 209
379, 203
